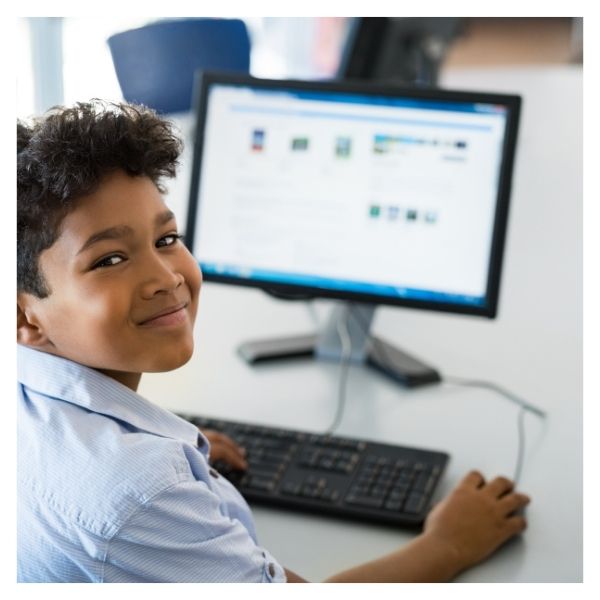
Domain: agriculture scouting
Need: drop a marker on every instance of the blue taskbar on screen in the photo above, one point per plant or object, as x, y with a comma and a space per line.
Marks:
338, 97
327, 283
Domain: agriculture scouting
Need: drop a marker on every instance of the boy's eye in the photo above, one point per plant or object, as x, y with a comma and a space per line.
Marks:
168, 240
109, 261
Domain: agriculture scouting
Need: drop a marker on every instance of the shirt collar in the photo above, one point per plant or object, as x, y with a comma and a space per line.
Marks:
66, 380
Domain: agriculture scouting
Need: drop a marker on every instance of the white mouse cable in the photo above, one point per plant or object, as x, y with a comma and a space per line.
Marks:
524, 408
524, 405
346, 341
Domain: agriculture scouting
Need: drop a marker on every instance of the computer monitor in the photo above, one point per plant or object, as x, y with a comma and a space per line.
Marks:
358, 192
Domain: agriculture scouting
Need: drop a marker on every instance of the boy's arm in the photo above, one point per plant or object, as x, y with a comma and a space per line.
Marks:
461, 531
421, 560
293, 577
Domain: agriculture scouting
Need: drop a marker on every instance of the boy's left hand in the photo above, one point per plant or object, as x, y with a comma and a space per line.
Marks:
223, 448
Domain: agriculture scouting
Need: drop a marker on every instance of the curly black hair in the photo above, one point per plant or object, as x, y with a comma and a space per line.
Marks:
66, 154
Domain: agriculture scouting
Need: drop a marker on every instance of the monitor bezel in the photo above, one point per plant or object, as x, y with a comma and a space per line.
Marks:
204, 79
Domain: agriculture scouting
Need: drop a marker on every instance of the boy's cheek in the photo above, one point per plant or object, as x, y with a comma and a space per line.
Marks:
194, 282
195, 279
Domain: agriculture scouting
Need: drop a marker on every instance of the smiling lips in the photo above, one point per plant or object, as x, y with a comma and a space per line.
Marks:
169, 316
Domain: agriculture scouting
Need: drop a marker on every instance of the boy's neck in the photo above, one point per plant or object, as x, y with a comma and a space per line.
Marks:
131, 380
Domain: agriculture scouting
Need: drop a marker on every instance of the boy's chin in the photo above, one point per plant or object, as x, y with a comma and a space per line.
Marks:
171, 362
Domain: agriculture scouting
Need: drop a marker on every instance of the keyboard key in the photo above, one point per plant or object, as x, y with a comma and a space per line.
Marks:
366, 501
397, 496
344, 467
330, 495
415, 503
400, 490
404, 476
267, 460
385, 472
292, 488
314, 484
265, 473
379, 491
327, 463
421, 482
359, 490
393, 505
260, 483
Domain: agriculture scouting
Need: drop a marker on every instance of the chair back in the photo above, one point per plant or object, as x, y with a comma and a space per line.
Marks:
156, 64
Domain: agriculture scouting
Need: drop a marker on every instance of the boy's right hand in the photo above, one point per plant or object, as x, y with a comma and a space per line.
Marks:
476, 518
224, 449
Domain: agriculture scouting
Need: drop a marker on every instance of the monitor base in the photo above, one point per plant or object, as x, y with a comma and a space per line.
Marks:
399, 365
259, 351
370, 350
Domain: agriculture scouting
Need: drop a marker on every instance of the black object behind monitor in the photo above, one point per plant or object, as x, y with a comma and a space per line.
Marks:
408, 50
352, 191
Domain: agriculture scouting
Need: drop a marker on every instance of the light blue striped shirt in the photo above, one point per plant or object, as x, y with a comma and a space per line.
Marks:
112, 488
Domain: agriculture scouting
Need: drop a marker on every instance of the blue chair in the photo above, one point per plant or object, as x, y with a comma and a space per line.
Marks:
155, 64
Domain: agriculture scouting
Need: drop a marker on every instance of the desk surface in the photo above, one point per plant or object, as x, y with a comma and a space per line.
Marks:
534, 348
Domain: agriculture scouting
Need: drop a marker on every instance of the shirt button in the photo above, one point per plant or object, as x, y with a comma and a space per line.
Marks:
213, 473
271, 569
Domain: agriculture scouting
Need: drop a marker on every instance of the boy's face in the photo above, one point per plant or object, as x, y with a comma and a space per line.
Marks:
124, 288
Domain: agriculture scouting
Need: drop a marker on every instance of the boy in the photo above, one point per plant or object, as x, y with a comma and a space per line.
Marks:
112, 488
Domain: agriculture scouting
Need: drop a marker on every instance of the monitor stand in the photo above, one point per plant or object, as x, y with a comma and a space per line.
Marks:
365, 348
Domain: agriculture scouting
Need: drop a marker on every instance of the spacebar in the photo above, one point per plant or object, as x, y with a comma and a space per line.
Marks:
366, 501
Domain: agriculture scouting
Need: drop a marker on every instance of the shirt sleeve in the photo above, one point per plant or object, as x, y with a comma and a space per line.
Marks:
181, 535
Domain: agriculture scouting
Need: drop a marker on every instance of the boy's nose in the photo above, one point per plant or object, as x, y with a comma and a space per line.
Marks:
161, 278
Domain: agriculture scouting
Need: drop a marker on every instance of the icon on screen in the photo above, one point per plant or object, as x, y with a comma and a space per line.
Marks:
431, 217
343, 147
300, 144
393, 212
381, 144
374, 211
258, 140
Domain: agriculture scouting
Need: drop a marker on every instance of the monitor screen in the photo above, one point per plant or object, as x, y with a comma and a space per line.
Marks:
354, 191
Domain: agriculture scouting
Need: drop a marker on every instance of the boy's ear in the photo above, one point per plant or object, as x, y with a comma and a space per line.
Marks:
29, 329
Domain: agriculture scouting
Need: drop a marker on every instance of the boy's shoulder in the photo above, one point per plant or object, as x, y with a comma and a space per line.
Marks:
93, 451
91, 470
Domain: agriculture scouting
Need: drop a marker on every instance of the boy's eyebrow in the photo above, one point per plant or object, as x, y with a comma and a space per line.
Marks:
112, 233
120, 231
164, 217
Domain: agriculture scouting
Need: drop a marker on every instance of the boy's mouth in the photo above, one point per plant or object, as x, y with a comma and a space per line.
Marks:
169, 316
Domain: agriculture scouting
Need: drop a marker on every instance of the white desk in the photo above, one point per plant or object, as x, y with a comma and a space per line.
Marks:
534, 348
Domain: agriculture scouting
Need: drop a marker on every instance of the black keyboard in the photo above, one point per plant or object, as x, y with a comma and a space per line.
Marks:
331, 475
